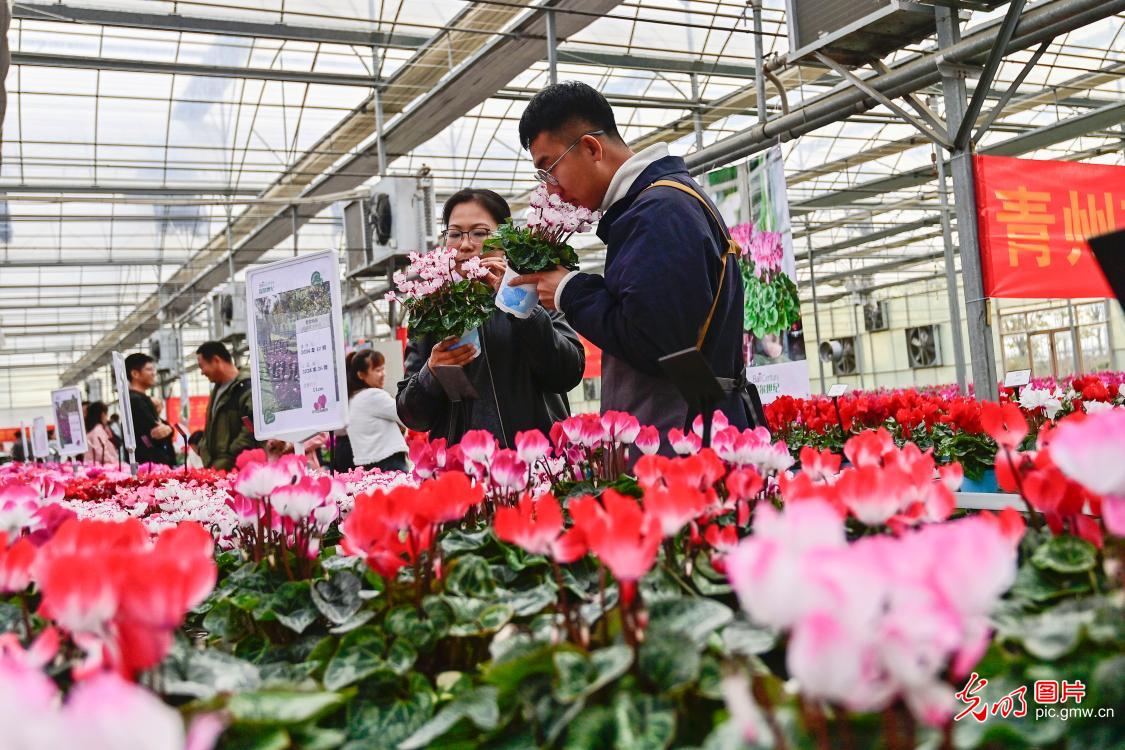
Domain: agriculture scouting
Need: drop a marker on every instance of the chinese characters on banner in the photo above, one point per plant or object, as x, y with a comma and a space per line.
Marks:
197, 412
1034, 219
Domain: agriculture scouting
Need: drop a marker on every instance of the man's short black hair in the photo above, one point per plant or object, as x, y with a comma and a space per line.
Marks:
136, 362
211, 349
559, 105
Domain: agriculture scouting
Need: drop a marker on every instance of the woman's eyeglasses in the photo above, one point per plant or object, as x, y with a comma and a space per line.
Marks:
453, 237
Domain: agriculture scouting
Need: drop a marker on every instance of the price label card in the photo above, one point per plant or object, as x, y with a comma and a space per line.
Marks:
66, 403
837, 390
1017, 378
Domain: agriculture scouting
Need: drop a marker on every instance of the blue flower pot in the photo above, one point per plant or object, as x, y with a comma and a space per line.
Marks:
469, 337
986, 483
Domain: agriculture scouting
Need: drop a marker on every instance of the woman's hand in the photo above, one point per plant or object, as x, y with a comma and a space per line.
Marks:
443, 355
496, 267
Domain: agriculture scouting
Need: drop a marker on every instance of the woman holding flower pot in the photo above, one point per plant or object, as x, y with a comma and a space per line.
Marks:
520, 368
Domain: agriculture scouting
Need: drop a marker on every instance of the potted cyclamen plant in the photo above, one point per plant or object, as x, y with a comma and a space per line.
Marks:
443, 298
540, 245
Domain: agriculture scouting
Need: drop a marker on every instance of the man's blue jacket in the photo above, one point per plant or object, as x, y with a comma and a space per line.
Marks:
664, 255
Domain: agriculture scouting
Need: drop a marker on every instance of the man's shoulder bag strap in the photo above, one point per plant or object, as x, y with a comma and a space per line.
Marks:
752, 401
733, 250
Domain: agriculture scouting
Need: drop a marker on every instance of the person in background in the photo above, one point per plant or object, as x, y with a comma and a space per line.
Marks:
100, 448
193, 441
373, 427
669, 282
526, 366
154, 436
115, 430
342, 458
230, 410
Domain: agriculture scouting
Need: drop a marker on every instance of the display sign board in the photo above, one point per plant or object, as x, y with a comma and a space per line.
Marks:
1035, 217
123, 407
39, 445
23, 442
1017, 378
296, 334
756, 207
70, 426
838, 390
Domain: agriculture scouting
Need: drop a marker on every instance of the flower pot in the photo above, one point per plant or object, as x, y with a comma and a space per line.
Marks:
471, 336
986, 483
517, 300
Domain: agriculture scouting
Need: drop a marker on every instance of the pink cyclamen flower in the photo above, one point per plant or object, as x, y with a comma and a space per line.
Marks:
621, 427
1089, 451
684, 445
531, 445
648, 440
508, 471
478, 445
298, 501
719, 422
258, 480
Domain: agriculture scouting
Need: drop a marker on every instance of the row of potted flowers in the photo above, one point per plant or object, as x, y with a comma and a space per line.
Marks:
732, 596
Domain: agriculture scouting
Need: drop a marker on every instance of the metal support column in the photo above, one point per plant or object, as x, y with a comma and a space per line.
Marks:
815, 307
294, 217
951, 273
1075, 341
552, 48
696, 112
981, 347
230, 245
759, 61
858, 349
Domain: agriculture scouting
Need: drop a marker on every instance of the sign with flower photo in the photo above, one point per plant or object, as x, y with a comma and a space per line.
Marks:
754, 201
295, 332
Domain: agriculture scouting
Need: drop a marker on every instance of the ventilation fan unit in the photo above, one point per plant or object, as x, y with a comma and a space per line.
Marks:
922, 346
875, 316
164, 347
855, 32
93, 390
842, 354
397, 218
228, 312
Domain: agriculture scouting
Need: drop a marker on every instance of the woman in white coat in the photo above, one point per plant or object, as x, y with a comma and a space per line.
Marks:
373, 426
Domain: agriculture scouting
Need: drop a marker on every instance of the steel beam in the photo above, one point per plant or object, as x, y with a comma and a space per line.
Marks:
497, 59
123, 189
1088, 122
219, 26
961, 118
86, 62
1039, 23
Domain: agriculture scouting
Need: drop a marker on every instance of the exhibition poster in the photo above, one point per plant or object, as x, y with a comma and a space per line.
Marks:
295, 330
128, 435
70, 427
753, 200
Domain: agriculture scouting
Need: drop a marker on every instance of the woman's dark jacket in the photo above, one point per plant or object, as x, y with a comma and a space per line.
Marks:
522, 376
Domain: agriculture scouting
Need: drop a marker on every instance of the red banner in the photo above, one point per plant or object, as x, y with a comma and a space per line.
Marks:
1034, 219
593, 359
197, 412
